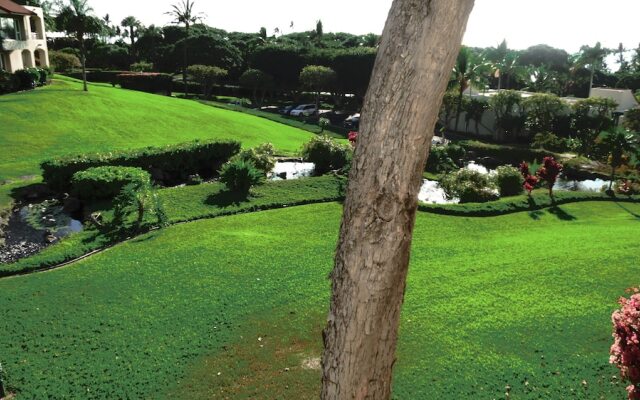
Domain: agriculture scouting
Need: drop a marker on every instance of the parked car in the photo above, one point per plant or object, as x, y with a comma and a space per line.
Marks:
303, 110
286, 110
353, 122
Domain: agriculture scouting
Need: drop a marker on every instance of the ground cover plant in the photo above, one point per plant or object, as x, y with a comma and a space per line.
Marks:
108, 118
240, 317
189, 203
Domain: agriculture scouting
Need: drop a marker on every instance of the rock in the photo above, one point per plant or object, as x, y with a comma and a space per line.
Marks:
50, 239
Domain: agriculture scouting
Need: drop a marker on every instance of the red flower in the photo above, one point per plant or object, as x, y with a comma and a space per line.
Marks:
353, 137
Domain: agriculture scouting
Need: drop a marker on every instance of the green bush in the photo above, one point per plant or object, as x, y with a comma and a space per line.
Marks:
169, 164
146, 82
327, 154
262, 157
27, 78
137, 199
106, 182
445, 158
468, 186
239, 176
63, 62
632, 120
509, 181
142, 66
549, 141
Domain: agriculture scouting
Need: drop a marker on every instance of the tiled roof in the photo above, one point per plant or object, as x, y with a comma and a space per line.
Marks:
9, 7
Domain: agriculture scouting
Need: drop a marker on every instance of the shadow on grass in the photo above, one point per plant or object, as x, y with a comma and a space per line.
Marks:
636, 216
536, 215
33, 191
561, 214
227, 198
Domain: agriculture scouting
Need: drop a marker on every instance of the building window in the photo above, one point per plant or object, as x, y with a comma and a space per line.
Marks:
9, 28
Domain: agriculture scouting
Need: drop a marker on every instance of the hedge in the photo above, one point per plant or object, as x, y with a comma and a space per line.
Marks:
150, 82
110, 77
511, 205
167, 165
105, 182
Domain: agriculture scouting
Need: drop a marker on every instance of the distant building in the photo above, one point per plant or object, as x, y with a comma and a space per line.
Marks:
24, 40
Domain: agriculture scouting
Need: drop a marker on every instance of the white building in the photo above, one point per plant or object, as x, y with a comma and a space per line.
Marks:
24, 40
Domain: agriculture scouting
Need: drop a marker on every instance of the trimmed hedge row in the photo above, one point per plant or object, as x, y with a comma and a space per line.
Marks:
106, 182
168, 165
147, 82
511, 205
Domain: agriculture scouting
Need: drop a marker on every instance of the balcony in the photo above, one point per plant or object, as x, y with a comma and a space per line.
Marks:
11, 45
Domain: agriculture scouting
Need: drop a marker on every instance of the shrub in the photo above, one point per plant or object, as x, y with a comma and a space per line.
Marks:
549, 141
262, 157
240, 175
8, 82
169, 164
632, 120
141, 66
509, 181
627, 188
468, 186
625, 351
542, 110
327, 154
444, 158
106, 182
147, 82
549, 172
139, 199
507, 107
592, 116
27, 78
530, 180
64, 62
206, 76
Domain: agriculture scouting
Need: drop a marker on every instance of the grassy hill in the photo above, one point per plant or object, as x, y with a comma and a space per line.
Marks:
233, 308
62, 119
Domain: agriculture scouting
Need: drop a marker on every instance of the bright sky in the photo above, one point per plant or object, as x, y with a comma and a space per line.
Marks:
566, 24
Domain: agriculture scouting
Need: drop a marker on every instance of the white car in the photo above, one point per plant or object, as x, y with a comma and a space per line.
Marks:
303, 110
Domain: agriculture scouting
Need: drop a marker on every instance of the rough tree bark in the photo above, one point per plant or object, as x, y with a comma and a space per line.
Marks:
419, 46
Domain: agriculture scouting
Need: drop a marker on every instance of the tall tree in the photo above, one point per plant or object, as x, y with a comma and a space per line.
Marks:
419, 45
133, 25
592, 58
183, 14
75, 18
467, 71
619, 144
622, 62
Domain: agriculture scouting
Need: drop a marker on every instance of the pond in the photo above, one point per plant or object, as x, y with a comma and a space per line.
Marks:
288, 170
33, 227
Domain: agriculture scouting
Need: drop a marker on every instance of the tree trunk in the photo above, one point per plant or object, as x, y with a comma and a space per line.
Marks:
459, 109
184, 64
613, 176
593, 72
83, 54
419, 45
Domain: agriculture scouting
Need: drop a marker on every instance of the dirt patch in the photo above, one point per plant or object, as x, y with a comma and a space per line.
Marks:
271, 360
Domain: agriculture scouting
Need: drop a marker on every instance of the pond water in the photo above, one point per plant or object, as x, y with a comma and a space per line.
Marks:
589, 185
33, 227
287, 170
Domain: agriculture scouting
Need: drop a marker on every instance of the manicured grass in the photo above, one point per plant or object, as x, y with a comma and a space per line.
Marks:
220, 308
190, 203
61, 119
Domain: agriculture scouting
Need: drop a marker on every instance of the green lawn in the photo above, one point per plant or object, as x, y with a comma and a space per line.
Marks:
62, 119
220, 308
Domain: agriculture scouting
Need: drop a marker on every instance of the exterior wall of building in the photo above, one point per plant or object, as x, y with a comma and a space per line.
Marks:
32, 51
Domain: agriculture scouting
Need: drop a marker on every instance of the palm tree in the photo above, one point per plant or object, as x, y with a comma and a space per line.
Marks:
183, 14
467, 71
619, 143
133, 24
76, 20
593, 57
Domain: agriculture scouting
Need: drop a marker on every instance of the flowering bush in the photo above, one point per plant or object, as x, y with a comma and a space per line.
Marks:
353, 138
625, 351
530, 181
549, 172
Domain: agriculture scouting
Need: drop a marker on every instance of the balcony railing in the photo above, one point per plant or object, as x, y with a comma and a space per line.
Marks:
10, 45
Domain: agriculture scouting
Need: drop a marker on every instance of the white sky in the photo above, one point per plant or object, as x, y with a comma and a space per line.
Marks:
566, 24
